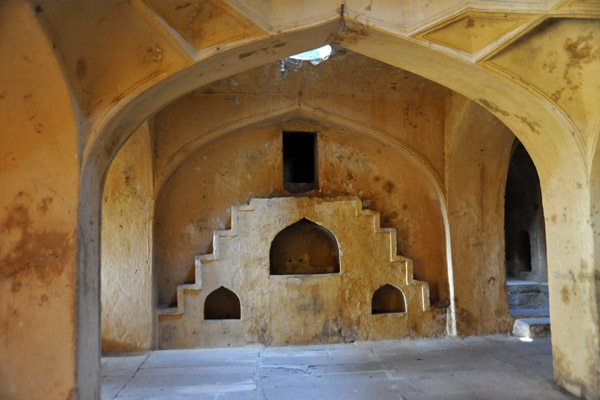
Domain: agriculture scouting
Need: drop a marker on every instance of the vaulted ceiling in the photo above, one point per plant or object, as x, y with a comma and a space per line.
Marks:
114, 50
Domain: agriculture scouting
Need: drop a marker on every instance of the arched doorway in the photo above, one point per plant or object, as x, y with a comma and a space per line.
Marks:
525, 247
111, 134
524, 226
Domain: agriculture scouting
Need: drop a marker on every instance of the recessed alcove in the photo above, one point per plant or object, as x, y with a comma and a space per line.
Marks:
524, 227
299, 161
388, 300
304, 248
222, 304
523, 250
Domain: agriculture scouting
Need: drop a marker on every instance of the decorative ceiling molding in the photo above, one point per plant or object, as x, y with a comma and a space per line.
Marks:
463, 34
165, 28
507, 39
472, 31
438, 30
562, 65
202, 23
391, 24
276, 16
581, 6
534, 6
250, 13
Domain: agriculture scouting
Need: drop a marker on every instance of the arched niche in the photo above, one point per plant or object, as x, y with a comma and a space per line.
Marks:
222, 304
388, 300
304, 248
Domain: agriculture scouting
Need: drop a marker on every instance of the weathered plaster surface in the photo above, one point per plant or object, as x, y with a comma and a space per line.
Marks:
38, 208
249, 164
101, 78
406, 107
477, 154
286, 309
123, 64
126, 282
566, 73
205, 23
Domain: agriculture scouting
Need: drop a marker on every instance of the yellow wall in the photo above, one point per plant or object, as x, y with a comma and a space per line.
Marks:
195, 200
38, 218
127, 210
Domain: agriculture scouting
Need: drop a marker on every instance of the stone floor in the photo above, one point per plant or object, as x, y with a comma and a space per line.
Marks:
492, 367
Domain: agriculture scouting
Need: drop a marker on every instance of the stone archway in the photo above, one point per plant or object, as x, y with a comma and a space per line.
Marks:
527, 114
524, 220
407, 161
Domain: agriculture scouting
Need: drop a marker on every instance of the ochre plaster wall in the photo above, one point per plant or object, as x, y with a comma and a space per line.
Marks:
288, 309
38, 214
477, 154
126, 281
348, 86
568, 73
240, 166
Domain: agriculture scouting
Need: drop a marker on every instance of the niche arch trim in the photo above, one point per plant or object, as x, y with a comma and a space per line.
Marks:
222, 304
304, 248
388, 299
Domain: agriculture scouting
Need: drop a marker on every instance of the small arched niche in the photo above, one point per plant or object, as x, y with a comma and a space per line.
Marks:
388, 300
304, 248
222, 304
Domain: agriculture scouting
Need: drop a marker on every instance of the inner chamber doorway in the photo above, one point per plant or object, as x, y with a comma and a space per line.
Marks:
525, 246
524, 220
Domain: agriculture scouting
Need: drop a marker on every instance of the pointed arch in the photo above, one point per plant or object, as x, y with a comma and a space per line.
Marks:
548, 134
303, 248
221, 304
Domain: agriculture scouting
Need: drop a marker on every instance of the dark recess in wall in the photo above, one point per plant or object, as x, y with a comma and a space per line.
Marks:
299, 161
388, 299
524, 228
222, 304
304, 248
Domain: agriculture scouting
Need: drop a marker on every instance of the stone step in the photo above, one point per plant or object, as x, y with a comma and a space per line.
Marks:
526, 295
531, 327
530, 312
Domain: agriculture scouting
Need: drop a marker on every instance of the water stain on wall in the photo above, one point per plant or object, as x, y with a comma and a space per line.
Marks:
39, 253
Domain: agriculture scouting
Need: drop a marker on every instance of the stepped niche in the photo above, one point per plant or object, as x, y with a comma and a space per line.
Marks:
299, 270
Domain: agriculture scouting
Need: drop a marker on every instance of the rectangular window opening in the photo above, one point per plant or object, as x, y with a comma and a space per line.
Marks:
299, 161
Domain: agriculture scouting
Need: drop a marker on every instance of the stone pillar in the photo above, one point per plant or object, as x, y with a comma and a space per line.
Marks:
126, 247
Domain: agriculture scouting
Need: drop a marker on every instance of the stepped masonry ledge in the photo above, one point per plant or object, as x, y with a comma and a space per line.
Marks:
337, 304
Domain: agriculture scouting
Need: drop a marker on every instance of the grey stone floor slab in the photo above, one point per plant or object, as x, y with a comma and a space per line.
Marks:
371, 385
491, 367
347, 368
168, 396
390, 347
122, 366
112, 385
202, 357
189, 383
